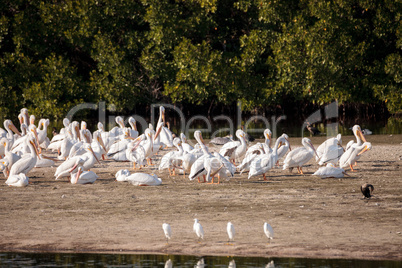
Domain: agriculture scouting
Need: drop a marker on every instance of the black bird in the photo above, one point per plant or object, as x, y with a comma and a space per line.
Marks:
313, 130
367, 189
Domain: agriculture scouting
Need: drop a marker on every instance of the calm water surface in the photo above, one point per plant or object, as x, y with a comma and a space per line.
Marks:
145, 261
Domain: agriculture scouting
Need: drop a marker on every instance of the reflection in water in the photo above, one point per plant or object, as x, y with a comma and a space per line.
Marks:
145, 261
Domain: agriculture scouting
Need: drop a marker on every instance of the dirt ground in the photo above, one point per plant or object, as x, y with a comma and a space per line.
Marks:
311, 217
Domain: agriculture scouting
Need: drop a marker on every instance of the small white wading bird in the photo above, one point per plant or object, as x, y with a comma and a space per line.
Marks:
168, 263
168, 231
269, 232
231, 232
330, 171
197, 228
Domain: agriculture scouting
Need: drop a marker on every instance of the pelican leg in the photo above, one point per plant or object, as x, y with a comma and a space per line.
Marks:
301, 171
170, 173
219, 179
212, 180
298, 170
265, 178
205, 180
351, 168
134, 166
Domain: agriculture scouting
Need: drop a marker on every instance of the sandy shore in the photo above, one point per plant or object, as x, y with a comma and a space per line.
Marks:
311, 217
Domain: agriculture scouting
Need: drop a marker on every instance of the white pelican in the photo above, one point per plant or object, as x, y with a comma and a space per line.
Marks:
213, 166
83, 177
118, 130
229, 168
144, 179
284, 147
166, 136
117, 150
67, 143
133, 130
8, 155
148, 145
269, 232
78, 147
168, 231
330, 171
265, 146
23, 116
3, 168
98, 146
352, 154
8, 134
122, 174
264, 162
135, 152
56, 140
186, 147
197, 168
43, 140
68, 166
250, 157
187, 160
88, 160
197, 228
27, 161
330, 151
17, 180
231, 231
171, 159
235, 149
359, 139
20, 147
300, 156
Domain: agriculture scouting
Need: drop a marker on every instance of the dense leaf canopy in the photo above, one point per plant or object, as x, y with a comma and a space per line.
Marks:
55, 54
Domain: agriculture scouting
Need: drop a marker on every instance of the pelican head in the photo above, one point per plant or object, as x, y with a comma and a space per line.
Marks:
183, 137
357, 131
132, 123
66, 122
162, 113
119, 120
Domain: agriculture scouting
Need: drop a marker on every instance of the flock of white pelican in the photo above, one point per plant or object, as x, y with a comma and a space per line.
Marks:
80, 150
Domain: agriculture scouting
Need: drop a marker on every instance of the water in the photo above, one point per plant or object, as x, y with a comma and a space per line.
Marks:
145, 261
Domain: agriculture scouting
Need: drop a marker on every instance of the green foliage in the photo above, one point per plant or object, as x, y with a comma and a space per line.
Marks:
55, 54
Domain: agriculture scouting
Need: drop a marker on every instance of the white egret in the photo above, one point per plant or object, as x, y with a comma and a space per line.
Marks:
168, 231
269, 232
231, 231
199, 231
